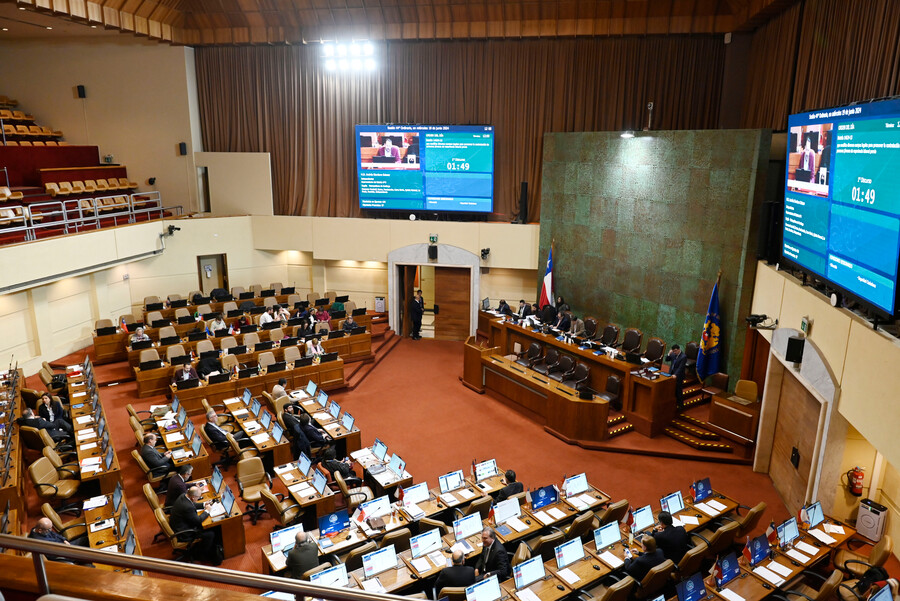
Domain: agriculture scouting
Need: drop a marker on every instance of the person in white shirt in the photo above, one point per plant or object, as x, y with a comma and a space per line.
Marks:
218, 324
281, 313
266, 317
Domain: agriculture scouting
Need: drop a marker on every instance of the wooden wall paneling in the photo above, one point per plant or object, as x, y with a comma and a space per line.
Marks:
452, 295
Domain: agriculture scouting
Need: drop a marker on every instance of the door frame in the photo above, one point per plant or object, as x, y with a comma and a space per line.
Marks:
200, 273
448, 256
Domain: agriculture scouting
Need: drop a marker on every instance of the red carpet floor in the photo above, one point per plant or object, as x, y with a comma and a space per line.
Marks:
414, 402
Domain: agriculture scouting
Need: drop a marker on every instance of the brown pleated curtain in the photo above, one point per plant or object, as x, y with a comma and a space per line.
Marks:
281, 100
822, 53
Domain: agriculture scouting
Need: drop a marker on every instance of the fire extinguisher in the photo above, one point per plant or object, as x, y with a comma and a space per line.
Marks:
855, 479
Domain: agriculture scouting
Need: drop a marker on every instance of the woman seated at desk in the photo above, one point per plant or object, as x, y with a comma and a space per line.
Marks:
139, 335
314, 348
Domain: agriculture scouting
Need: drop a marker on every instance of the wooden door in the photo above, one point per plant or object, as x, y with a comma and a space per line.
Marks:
795, 428
212, 272
453, 297
407, 275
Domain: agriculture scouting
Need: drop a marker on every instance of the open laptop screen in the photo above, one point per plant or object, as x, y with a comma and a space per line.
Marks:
379, 561
284, 539
643, 519
379, 449
576, 485
672, 503
528, 571
568, 553
815, 514
486, 590
788, 532
425, 543
336, 576
485, 469
506, 510
467, 526
606, 535
691, 589
451, 481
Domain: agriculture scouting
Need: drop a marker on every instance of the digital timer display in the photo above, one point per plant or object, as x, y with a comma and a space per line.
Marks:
842, 205
426, 167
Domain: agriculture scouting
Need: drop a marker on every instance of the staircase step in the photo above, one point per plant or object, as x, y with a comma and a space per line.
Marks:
702, 445
618, 430
691, 420
694, 401
616, 419
693, 430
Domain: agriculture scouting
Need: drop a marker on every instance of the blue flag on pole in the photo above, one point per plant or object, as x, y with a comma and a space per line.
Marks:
710, 341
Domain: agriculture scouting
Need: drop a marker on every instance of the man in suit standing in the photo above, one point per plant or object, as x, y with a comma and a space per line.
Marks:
416, 311
678, 360
672, 540
457, 574
184, 517
512, 487
160, 464
493, 559
178, 484
637, 567
303, 557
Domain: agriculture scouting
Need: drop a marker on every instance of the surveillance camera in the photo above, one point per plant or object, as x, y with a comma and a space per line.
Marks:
650, 106
755, 320
173, 229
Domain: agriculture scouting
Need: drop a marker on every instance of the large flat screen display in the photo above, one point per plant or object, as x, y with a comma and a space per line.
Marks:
426, 167
841, 206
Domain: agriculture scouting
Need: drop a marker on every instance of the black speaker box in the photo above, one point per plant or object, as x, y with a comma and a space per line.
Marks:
432, 252
794, 352
523, 204
182, 148
81, 92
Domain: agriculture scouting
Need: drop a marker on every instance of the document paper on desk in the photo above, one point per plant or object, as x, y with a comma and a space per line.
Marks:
526, 594
281, 469
568, 575
174, 437
84, 419
448, 498
516, 524
543, 518
260, 438
822, 537
373, 585
768, 575
86, 434
834, 529
779, 569
94, 502
420, 564
610, 559
240, 412
706, 509
465, 493
795, 554
88, 446
438, 559
302, 490
555, 513
216, 509
689, 519
806, 548
731, 595
716, 505
252, 425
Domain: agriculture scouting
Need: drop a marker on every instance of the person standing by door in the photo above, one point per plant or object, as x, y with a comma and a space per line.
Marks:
416, 310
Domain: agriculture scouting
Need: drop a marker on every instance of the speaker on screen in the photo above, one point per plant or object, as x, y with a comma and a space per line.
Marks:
432, 252
794, 352
81, 92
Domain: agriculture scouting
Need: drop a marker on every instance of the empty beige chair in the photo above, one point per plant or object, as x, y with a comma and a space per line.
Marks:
102, 186
323, 327
153, 316
331, 295
349, 307
229, 306
77, 187
112, 183
149, 354
167, 332
746, 389
312, 297
204, 309
250, 340
266, 359
52, 188
176, 350
276, 286
252, 479
236, 291
618, 591
256, 289
270, 301
229, 362
150, 300
291, 354
7, 195
227, 342
854, 563
399, 538
292, 300
205, 346
182, 312
276, 334
126, 184
37, 143
104, 323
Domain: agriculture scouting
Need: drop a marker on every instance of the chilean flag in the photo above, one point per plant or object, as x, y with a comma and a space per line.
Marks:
629, 518
772, 534
547, 286
716, 571
748, 552
803, 517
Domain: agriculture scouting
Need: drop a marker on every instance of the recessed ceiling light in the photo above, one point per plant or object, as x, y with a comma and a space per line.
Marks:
5, 29
21, 8
93, 27
49, 28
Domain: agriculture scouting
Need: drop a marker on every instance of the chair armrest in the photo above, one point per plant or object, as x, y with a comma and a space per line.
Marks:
700, 537
849, 561
80, 525
53, 486
353, 482
359, 494
814, 574
62, 469
289, 507
798, 594
739, 507
854, 539
192, 531
851, 590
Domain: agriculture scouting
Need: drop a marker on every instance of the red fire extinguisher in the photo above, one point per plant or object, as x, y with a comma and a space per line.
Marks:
855, 479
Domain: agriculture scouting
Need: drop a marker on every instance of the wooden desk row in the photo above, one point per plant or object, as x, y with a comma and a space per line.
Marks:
328, 376
216, 306
92, 441
11, 405
111, 538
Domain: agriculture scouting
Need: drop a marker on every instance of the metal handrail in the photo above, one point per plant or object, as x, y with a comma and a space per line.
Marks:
299, 588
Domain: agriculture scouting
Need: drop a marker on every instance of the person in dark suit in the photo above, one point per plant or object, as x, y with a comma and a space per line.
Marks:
457, 574
672, 540
185, 372
512, 487
678, 360
160, 464
44, 531
349, 324
493, 559
524, 309
178, 484
184, 518
313, 435
217, 435
303, 557
649, 557
299, 442
563, 321
51, 410
331, 463
504, 308
416, 311
58, 429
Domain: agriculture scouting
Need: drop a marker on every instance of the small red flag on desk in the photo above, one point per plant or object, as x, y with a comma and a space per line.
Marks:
748, 553
491, 513
400, 493
124, 326
772, 534
629, 518
716, 570
362, 516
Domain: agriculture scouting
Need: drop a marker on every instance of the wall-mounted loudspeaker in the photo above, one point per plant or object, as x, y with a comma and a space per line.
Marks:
794, 352
81, 91
523, 204
432, 252
182, 148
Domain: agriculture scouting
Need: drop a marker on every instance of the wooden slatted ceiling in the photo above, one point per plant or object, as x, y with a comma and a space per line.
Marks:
199, 22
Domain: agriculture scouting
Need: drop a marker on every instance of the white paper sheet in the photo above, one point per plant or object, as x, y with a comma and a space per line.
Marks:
568, 575
610, 559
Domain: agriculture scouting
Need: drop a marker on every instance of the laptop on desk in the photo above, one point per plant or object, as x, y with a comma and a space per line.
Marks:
141, 344
178, 303
263, 346
234, 313
152, 364
108, 331
237, 350
277, 366
195, 336
219, 378
245, 295
159, 323
189, 383
185, 319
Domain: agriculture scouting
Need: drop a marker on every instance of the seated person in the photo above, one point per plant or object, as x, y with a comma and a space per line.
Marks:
139, 335
185, 520
267, 317
159, 464
280, 313
504, 308
456, 575
178, 484
301, 313
331, 463
313, 434
535, 310
279, 390
299, 442
563, 323
512, 487
43, 530
303, 557
208, 365
638, 566
672, 540
184, 372
524, 309
58, 429
314, 348
242, 322
322, 315
216, 433
52, 410
349, 324
576, 328
217, 324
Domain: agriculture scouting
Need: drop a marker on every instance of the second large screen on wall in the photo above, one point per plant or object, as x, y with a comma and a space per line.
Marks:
426, 167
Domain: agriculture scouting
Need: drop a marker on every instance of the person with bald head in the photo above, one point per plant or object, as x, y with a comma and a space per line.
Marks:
44, 531
303, 557
457, 574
